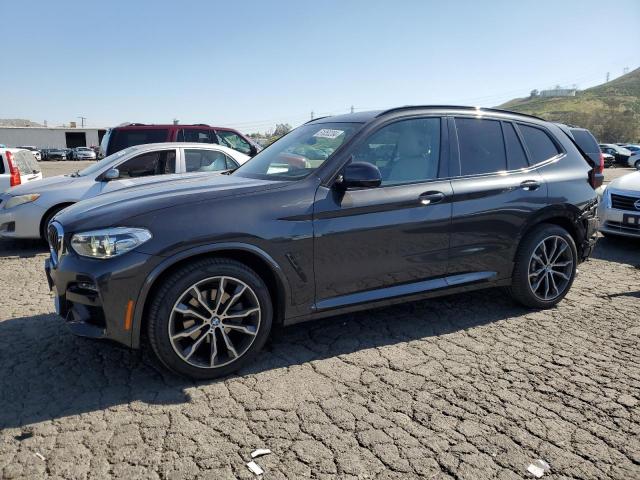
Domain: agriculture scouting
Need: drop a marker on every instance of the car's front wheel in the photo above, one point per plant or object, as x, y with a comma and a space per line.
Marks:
545, 267
210, 318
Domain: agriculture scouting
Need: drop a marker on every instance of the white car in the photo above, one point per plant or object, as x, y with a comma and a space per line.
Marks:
83, 153
25, 211
36, 153
17, 166
619, 210
634, 160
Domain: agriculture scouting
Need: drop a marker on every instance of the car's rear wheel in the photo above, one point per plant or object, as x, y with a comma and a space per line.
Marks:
545, 267
210, 318
637, 165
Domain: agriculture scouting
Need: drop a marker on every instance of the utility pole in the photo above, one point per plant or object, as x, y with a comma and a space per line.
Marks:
311, 114
625, 70
82, 119
351, 108
607, 77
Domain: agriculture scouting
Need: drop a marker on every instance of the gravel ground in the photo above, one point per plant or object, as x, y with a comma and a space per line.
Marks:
466, 387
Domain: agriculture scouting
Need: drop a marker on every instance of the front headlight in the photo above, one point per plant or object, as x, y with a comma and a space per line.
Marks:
20, 199
109, 242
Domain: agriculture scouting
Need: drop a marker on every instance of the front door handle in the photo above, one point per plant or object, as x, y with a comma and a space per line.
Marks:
530, 185
429, 198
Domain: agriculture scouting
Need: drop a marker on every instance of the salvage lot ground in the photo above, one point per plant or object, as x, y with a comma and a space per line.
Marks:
470, 386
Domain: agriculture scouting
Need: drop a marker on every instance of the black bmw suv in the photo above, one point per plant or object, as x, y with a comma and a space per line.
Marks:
342, 214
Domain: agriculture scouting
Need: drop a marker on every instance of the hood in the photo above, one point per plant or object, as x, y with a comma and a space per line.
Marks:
121, 206
627, 182
37, 186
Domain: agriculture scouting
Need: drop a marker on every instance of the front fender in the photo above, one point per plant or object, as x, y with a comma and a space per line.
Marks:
283, 285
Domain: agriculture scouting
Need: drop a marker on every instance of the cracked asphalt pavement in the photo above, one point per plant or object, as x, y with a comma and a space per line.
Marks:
467, 387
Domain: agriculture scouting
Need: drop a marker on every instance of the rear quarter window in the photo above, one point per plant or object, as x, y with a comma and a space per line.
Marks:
121, 139
585, 140
540, 145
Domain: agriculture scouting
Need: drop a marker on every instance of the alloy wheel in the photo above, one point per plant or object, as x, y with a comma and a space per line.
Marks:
214, 322
550, 268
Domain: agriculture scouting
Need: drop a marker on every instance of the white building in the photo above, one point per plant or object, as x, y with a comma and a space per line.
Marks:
49, 137
559, 92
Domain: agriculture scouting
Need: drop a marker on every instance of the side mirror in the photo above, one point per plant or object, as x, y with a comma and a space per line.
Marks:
252, 150
111, 174
360, 175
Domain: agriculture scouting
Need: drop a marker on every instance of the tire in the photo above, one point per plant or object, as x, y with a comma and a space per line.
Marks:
47, 219
531, 290
177, 309
637, 164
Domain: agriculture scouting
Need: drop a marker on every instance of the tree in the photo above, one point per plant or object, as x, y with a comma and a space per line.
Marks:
281, 129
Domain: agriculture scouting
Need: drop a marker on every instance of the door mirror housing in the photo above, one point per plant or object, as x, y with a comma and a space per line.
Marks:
111, 174
360, 175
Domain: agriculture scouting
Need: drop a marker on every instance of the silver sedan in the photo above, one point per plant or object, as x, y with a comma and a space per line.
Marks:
619, 209
25, 210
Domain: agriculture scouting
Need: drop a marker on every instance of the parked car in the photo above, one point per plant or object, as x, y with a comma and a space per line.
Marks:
632, 148
17, 166
83, 153
619, 210
634, 160
32, 206
621, 154
127, 135
589, 148
69, 153
34, 151
343, 213
609, 160
55, 154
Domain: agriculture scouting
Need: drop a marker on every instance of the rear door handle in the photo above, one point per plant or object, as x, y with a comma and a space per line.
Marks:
429, 198
530, 185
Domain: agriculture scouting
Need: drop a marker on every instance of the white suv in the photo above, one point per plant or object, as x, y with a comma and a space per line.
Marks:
17, 166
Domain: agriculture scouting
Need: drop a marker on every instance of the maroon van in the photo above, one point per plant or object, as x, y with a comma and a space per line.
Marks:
123, 136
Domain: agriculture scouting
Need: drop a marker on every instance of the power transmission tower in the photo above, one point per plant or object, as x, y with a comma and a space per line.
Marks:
607, 77
351, 108
311, 114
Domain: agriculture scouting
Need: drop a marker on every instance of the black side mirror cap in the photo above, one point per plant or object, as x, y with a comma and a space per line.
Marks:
360, 175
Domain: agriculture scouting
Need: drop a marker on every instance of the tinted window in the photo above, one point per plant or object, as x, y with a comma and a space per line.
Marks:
197, 160
196, 135
123, 138
585, 141
152, 163
405, 151
515, 152
481, 146
235, 141
540, 146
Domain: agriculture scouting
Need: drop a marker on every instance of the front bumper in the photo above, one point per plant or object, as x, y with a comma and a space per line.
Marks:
616, 221
93, 296
21, 222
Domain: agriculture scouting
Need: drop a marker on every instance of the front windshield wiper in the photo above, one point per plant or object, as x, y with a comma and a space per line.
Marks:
230, 171
75, 174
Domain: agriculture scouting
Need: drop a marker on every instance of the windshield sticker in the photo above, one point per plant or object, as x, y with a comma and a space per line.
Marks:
328, 133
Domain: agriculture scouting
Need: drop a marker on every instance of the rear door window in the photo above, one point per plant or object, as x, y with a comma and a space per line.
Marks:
516, 157
151, 163
481, 146
235, 141
540, 145
197, 160
123, 138
26, 162
198, 135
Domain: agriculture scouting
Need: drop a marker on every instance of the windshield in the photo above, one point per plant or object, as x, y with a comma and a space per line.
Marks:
300, 152
96, 167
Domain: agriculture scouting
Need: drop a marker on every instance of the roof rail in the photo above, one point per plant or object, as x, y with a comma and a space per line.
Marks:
457, 107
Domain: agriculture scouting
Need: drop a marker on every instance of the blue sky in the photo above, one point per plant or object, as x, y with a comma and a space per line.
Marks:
250, 64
